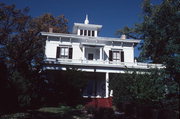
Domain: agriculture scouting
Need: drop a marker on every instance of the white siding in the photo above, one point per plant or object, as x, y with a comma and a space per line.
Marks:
50, 50
77, 52
51, 47
129, 54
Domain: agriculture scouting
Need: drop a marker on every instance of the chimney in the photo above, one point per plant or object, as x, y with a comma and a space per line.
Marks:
50, 30
123, 37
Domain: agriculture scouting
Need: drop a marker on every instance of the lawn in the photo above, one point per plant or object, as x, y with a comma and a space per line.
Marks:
62, 112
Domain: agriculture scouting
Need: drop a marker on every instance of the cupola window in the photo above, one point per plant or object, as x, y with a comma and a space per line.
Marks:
81, 32
92, 33
85, 32
89, 33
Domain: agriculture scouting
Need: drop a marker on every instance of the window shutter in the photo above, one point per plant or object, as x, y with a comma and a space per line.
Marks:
70, 53
110, 55
122, 56
58, 52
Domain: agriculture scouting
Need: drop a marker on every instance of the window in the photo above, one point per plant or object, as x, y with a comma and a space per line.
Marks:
81, 32
117, 56
64, 52
90, 56
92, 33
85, 32
89, 33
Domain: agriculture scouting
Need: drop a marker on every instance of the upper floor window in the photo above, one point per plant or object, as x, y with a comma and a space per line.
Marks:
64, 52
89, 33
85, 32
81, 32
92, 33
117, 55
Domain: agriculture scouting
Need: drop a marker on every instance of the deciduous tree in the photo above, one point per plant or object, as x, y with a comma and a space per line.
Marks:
159, 30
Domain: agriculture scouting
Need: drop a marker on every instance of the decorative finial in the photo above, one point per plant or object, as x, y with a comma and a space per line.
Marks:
86, 20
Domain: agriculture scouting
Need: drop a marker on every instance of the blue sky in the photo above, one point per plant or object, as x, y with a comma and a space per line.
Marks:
112, 14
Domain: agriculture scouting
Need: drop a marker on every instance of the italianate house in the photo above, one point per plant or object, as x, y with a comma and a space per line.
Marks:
88, 52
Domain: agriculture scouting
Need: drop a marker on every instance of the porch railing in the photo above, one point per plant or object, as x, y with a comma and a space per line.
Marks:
103, 63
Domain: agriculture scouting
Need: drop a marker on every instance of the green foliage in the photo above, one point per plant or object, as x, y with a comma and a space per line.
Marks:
79, 107
65, 86
21, 87
61, 110
104, 113
22, 53
159, 30
149, 88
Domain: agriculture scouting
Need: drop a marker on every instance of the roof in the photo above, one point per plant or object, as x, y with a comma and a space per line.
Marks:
89, 37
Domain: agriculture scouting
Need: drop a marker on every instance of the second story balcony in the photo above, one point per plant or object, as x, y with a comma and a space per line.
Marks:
100, 63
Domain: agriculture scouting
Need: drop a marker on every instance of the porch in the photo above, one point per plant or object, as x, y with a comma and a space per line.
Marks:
92, 52
98, 63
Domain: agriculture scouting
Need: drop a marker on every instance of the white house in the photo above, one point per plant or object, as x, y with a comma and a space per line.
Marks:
84, 49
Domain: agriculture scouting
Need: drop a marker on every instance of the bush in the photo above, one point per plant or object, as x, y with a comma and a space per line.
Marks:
104, 113
149, 88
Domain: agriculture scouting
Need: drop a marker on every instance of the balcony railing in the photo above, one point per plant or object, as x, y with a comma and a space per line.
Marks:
102, 63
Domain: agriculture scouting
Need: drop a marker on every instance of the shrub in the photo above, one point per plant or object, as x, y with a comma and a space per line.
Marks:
104, 113
149, 88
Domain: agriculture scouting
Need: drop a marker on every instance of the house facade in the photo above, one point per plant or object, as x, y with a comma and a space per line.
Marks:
87, 51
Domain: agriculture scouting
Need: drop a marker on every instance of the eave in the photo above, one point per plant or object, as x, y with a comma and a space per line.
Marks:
88, 37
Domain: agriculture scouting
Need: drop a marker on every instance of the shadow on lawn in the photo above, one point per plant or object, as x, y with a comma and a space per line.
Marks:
43, 115
48, 115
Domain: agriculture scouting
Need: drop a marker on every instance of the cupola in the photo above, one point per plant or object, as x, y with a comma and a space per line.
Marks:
86, 29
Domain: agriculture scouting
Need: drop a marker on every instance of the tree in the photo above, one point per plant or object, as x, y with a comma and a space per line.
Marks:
22, 46
159, 31
46, 21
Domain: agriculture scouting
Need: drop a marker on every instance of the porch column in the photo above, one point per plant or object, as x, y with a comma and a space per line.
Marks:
107, 84
101, 51
83, 53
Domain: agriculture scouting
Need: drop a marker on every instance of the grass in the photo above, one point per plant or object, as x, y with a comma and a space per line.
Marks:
62, 112
56, 110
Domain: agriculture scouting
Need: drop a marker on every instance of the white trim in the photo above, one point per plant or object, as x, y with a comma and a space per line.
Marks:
89, 38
